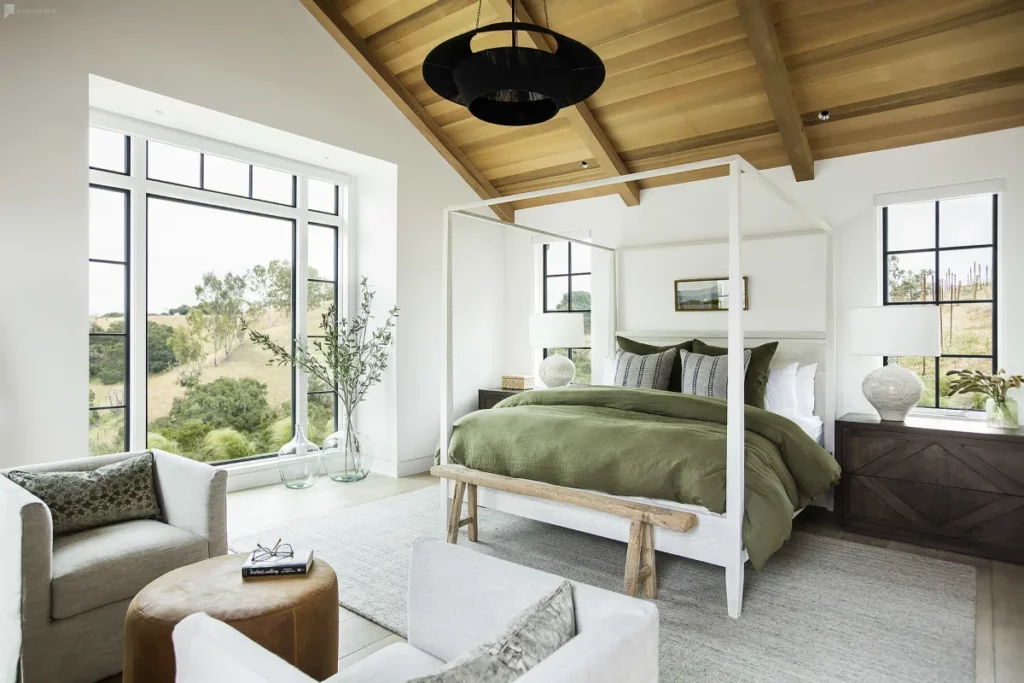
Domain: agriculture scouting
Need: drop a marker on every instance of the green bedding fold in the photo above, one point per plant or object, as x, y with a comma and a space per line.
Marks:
655, 444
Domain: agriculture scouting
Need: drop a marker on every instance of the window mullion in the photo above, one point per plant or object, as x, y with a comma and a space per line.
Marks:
137, 320
300, 303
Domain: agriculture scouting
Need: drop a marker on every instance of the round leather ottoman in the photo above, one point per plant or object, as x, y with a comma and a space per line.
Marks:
294, 617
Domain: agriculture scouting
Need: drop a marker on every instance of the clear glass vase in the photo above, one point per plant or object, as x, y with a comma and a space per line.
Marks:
1002, 414
298, 461
348, 453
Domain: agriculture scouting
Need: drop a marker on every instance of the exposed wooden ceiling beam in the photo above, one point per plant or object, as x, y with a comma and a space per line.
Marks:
580, 117
764, 43
330, 17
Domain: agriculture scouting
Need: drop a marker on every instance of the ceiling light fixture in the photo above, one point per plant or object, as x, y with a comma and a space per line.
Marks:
824, 115
513, 86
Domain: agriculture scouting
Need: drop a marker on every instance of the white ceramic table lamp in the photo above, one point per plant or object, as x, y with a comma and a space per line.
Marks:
557, 331
893, 331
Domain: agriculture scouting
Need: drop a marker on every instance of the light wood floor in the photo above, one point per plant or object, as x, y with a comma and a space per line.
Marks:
1000, 610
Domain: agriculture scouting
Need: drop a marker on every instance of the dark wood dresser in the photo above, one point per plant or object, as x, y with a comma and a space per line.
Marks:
941, 482
489, 397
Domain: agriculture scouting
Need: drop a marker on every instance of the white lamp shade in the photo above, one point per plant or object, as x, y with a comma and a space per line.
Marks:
557, 330
893, 331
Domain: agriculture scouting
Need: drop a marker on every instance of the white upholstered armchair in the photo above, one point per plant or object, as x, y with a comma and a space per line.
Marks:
75, 589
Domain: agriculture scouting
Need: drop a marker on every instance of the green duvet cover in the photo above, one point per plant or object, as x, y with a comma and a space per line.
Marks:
656, 444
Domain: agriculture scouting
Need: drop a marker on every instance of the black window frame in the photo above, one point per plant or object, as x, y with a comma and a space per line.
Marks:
569, 275
336, 230
127, 154
126, 403
938, 250
202, 178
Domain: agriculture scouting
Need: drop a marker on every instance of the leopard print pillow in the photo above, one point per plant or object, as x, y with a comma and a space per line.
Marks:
113, 493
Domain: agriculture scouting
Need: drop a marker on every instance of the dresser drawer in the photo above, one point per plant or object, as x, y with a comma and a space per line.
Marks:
935, 511
947, 460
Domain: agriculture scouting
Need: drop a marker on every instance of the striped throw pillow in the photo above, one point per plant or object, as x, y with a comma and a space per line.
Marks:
707, 375
644, 372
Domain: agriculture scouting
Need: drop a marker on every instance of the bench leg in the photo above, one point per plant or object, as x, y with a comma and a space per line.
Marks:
647, 563
471, 504
455, 512
633, 551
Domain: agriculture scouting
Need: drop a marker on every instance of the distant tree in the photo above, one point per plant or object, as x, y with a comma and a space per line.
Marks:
106, 354
240, 404
180, 310
187, 344
160, 356
279, 290
319, 293
223, 302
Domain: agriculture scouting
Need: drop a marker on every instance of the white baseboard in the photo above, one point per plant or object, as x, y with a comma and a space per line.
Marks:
409, 467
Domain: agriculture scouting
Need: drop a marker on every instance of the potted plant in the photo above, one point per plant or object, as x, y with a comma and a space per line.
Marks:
1000, 410
348, 359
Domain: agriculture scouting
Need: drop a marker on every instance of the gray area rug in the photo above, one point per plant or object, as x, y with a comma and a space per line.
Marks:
821, 610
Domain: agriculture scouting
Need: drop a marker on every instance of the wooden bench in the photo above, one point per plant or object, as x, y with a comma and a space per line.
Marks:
639, 553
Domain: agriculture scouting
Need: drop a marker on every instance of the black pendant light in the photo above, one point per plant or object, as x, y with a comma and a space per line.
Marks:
513, 86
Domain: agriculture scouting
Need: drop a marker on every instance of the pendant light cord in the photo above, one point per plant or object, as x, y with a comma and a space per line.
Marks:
480, 5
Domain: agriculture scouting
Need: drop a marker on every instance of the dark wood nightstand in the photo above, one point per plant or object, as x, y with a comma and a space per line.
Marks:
489, 397
941, 482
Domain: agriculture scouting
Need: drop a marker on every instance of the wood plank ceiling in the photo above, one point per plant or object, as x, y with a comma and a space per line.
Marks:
697, 79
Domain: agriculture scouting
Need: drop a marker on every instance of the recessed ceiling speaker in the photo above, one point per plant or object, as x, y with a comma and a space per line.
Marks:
513, 86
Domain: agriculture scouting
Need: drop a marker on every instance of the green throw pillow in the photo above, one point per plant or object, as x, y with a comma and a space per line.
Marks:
675, 381
756, 380
117, 492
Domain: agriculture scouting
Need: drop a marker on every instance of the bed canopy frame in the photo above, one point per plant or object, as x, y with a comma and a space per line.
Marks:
717, 538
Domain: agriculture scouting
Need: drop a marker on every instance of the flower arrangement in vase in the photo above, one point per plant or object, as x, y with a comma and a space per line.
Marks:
348, 359
1000, 410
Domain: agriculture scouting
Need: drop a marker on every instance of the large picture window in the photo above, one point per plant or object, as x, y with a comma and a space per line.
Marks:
944, 252
566, 275
216, 237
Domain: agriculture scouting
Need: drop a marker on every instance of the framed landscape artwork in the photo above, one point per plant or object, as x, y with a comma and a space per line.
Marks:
706, 294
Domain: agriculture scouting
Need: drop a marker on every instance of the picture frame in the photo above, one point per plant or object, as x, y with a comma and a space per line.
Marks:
706, 294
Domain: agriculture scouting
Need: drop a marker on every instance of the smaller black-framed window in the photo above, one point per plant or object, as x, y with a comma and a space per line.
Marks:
109, 319
183, 167
322, 197
322, 289
109, 151
945, 253
567, 289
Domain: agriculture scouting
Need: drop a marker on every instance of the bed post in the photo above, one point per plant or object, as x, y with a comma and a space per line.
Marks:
447, 405
735, 451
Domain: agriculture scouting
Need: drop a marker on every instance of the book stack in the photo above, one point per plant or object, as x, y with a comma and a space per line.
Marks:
297, 564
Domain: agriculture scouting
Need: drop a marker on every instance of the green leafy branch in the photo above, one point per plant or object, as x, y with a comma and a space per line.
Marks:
977, 382
349, 359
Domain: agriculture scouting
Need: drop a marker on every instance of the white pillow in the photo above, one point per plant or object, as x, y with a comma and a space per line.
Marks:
780, 395
805, 389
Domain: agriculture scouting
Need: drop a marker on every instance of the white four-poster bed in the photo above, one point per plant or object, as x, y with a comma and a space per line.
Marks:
713, 538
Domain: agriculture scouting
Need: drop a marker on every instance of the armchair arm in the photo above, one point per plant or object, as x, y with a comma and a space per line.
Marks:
619, 648
27, 521
210, 651
193, 496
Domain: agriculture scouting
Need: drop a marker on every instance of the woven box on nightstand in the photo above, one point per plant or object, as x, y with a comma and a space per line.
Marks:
516, 382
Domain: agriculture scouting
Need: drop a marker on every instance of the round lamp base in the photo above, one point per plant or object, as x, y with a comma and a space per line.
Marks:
893, 391
556, 371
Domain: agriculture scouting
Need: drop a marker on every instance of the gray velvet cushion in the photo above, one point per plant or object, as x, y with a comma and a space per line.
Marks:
644, 372
101, 566
534, 635
113, 493
707, 375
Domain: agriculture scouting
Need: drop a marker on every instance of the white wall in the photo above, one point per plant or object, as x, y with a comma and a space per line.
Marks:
266, 61
843, 194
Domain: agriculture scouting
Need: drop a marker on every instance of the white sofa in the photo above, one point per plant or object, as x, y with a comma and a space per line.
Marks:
457, 599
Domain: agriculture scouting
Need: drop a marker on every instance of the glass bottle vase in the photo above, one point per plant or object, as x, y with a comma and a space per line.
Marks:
298, 461
347, 453
1002, 414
